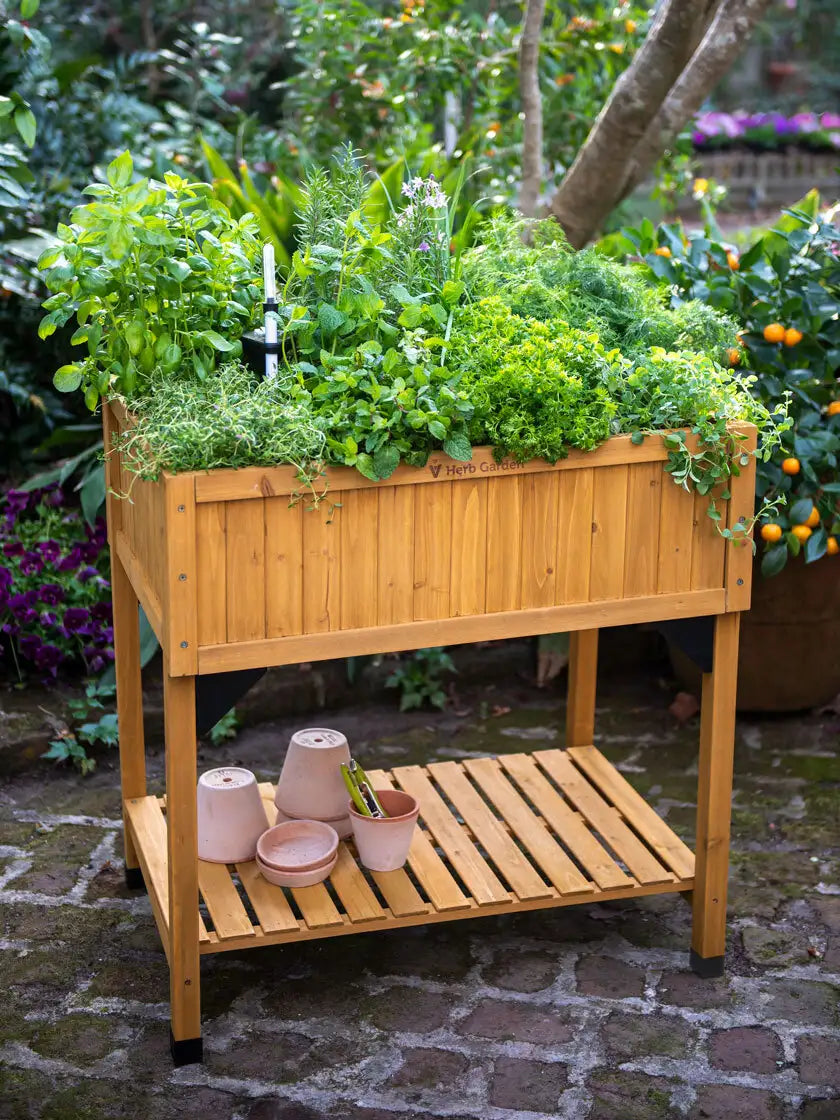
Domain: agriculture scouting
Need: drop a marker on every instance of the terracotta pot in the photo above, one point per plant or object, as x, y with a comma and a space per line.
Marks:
231, 817
790, 640
310, 786
296, 878
298, 845
383, 842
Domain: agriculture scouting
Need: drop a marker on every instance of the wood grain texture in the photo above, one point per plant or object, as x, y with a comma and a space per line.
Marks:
270, 905
359, 570
211, 563
540, 500
395, 548
574, 536
432, 551
504, 545
245, 560
644, 498
321, 588
180, 577
609, 529
283, 567
582, 687
739, 560
469, 548
222, 900
707, 546
676, 527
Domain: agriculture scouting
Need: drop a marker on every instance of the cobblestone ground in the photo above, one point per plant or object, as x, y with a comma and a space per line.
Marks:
587, 1013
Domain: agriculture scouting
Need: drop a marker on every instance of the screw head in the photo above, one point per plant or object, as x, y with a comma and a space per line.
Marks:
182, 577
184, 645
181, 509
740, 583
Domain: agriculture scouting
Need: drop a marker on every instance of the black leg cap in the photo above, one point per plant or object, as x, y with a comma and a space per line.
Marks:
708, 968
185, 1051
134, 879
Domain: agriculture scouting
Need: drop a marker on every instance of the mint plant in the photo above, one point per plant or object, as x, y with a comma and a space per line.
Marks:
158, 276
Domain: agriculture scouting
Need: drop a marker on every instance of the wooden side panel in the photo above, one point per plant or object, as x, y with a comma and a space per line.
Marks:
739, 561
181, 572
540, 497
359, 577
708, 546
321, 591
504, 544
283, 567
245, 558
644, 496
574, 536
395, 569
432, 551
211, 562
469, 547
676, 527
609, 526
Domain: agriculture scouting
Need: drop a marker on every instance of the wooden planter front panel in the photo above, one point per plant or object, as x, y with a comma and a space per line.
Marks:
224, 563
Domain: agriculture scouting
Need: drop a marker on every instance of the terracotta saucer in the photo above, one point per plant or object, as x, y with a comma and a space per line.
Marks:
298, 846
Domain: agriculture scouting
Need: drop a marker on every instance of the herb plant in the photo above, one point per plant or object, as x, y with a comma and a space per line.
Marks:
418, 677
158, 277
71, 743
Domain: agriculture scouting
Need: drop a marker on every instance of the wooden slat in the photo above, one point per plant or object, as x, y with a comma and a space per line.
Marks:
504, 544
460, 850
432, 551
739, 560
211, 559
707, 549
400, 893
635, 810
469, 547
269, 902
644, 496
540, 499
352, 888
574, 536
602, 816
149, 828
179, 578
676, 525
283, 567
609, 521
528, 827
142, 588
358, 570
395, 571
317, 907
432, 873
566, 824
446, 631
321, 590
245, 557
230, 918
488, 831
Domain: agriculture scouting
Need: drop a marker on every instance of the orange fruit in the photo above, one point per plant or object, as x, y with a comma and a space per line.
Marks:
771, 532
629, 26
734, 261
774, 332
832, 547
791, 466
813, 518
834, 408
734, 356
663, 251
792, 336
801, 532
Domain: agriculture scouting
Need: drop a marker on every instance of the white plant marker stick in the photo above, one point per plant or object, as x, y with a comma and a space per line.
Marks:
270, 310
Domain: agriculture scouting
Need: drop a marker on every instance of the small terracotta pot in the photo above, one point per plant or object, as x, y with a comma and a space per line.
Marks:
310, 786
298, 845
231, 817
296, 878
383, 842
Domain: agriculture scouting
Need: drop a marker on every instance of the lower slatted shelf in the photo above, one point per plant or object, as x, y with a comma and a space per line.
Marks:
496, 835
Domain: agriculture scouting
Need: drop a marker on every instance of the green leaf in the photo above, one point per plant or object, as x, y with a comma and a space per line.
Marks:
437, 429
6, 106
637, 438
774, 559
452, 291
411, 316
26, 125
120, 171
67, 378
364, 465
458, 447
800, 511
179, 270
218, 342
330, 318
28, 8
816, 545
386, 460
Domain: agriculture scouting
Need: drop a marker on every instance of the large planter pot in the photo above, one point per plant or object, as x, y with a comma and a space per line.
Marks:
789, 657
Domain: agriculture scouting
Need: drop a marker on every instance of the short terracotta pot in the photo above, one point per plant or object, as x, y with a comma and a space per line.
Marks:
231, 817
310, 786
383, 843
298, 845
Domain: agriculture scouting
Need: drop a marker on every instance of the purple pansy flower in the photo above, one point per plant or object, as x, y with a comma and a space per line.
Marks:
86, 573
29, 645
75, 618
71, 561
48, 657
102, 611
51, 593
31, 564
48, 618
13, 548
49, 549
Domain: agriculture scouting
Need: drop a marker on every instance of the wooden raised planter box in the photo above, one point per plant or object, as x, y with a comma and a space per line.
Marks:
234, 574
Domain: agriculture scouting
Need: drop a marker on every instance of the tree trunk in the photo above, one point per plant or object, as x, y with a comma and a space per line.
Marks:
592, 185
529, 90
724, 40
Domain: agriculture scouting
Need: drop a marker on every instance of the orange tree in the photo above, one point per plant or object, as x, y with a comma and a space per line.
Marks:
784, 295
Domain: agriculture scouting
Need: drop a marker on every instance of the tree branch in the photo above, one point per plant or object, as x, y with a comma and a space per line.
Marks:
529, 91
593, 184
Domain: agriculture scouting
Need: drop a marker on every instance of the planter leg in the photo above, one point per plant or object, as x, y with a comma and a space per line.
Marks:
129, 704
182, 859
714, 801
583, 673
